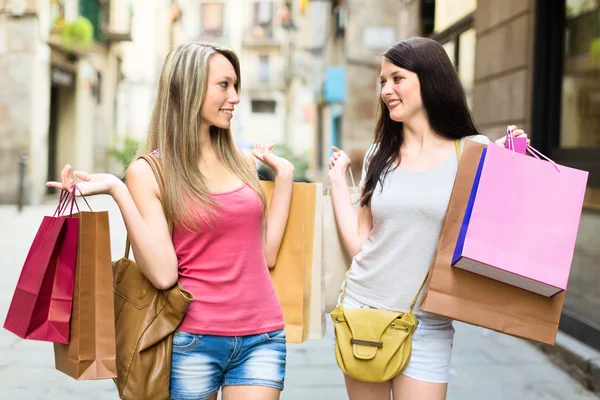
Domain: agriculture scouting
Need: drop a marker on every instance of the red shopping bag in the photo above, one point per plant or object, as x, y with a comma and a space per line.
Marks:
41, 305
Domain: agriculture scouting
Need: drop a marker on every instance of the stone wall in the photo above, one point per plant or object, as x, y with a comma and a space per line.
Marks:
503, 65
19, 93
372, 27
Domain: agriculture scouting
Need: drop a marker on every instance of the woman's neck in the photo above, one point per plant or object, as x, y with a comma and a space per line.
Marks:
207, 151
418, 135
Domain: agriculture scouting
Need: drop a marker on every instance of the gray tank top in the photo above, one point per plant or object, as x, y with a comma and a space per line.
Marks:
407, 218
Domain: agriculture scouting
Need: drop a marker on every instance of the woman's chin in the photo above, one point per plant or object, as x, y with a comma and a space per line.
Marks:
222, 124
397, 117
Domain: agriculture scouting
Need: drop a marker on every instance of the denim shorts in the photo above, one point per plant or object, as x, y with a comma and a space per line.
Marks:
202, 364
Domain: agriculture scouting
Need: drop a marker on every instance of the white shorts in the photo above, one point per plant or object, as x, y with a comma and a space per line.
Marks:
431, 346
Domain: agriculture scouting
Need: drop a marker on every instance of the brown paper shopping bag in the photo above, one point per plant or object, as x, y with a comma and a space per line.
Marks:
314, 249
91, 352
475, 299
292, 274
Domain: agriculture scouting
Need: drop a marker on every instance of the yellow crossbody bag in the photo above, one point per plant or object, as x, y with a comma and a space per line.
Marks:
374, 345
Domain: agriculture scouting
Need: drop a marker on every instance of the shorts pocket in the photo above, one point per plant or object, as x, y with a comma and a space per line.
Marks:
275, 336
184, 340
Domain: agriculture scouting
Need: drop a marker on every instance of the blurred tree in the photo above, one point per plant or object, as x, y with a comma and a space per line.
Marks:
300, 162
79, 33
125, 155
595, 50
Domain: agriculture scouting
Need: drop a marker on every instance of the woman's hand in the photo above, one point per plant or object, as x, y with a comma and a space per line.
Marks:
282, 167
516, 132
90, 184
338, 164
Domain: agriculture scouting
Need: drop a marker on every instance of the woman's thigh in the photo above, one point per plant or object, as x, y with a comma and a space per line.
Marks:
406, 388
358, 390
250, 393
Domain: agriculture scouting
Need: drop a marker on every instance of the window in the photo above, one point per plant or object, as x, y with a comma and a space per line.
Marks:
263, 106
427, 16
263, 13
580, 114
566, 91
212, 19
264, 69
566, 127
95, 11
262, 18
459, 39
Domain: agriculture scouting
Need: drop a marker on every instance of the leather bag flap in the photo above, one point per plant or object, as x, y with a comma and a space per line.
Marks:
367, 326
130, 284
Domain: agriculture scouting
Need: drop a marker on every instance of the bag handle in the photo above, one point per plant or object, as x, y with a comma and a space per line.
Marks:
155, 164
458, 154
537, 154
328, 189
67, 198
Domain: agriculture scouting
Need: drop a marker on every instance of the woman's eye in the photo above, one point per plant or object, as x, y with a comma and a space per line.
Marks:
382, 83
223, 84
397, 79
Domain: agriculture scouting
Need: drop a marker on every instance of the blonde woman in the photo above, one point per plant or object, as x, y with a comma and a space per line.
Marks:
222, 242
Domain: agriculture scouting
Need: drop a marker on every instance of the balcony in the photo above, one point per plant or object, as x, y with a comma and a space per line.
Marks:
119, 23
262, 36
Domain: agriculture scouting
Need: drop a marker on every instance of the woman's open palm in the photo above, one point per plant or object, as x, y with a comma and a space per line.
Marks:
90, 184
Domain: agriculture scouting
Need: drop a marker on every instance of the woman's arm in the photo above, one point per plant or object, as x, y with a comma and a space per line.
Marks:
140, 206
147, 225
354, 228
279, 208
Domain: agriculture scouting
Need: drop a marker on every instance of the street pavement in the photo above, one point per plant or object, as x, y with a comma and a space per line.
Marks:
486, 365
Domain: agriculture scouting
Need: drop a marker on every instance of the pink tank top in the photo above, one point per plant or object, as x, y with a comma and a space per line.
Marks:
224, 267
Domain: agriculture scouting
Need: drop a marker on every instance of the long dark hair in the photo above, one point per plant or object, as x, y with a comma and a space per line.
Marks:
443, 99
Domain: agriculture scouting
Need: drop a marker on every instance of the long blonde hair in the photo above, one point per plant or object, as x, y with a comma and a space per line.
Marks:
174, 132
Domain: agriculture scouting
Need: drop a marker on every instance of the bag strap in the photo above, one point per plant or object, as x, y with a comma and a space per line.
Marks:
155, 164
458, 154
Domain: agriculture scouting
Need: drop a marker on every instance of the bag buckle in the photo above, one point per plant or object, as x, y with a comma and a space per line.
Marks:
366, 343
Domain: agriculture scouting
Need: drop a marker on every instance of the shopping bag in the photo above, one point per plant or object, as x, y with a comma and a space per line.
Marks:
336, 259
293, 272
314, 249
475, 299
41, 305
519, 144
521, 221
90, 353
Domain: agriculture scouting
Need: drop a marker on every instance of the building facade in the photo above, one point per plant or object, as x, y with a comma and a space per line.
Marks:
57, 93
347, 107
262, 33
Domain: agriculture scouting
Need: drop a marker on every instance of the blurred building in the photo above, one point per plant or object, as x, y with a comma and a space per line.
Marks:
358, 32
152, 34
262, 32
57, 97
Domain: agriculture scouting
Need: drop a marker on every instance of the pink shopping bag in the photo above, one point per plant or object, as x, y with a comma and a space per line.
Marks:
517, 143
521, 221
41, 305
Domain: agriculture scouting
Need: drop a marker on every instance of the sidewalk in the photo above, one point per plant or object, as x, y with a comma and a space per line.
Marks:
486, 365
